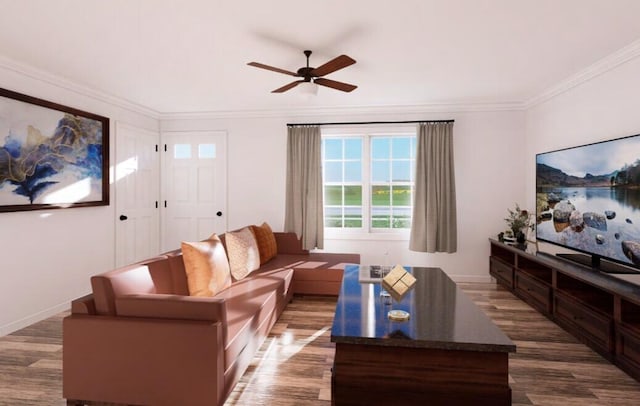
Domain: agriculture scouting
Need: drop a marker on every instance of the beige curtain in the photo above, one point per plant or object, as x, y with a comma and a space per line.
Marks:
434, 225
303, 208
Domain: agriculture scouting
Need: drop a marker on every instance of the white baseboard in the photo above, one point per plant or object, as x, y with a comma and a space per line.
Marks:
29, 320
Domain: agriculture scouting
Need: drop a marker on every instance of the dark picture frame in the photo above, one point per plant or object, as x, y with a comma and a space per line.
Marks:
51, 156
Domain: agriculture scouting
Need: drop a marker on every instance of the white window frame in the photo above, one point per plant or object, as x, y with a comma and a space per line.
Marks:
366, 133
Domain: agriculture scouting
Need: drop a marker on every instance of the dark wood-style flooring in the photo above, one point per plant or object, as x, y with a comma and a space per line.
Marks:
293, 366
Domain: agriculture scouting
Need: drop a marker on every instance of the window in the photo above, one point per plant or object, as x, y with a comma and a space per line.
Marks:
182, 151
342, 165
368, 181
206, 151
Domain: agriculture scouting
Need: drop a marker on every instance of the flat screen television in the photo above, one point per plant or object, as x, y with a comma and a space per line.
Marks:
588, 200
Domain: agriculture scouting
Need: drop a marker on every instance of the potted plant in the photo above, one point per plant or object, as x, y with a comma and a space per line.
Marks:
518, 221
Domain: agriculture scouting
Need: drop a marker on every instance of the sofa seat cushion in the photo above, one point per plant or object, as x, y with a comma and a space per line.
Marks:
284, 274
311, 261
250, 303
284, 261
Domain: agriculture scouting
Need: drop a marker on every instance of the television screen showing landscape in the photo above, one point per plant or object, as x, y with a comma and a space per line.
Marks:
588, 199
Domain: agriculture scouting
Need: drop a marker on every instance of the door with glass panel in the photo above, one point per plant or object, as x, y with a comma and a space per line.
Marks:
194, 186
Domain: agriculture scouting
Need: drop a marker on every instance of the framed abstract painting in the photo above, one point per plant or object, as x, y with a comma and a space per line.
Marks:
51, 156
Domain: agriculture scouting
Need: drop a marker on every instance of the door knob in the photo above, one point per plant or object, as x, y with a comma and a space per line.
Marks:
123, 217
219, 214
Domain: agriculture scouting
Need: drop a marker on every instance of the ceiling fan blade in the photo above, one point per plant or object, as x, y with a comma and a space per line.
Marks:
345, 87
333, 65
287, 87
271, 68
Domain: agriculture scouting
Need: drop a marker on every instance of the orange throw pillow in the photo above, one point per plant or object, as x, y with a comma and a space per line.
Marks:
266, 242
206, 266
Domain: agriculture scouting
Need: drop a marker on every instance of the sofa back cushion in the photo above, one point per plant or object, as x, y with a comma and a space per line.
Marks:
289, 243
161, 274
127, 280
178, 273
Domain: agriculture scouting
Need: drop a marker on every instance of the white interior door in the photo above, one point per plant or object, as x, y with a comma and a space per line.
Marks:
137, 188
194, 186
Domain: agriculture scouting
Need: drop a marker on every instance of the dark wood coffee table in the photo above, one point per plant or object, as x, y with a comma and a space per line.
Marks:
448, 353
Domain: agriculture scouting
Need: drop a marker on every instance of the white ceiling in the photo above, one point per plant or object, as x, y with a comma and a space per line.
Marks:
191, 55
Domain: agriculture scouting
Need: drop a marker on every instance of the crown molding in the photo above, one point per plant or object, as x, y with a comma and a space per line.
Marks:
604, 65
448, 107
58, 81
289, 112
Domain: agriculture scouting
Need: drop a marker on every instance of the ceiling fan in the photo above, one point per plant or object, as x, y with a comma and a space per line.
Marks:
314, 75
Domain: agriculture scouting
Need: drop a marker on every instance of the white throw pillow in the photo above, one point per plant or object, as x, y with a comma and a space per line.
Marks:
242, 250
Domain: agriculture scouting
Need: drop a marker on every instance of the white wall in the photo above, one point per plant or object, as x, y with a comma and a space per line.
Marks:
602, 108
489, 156
49, 255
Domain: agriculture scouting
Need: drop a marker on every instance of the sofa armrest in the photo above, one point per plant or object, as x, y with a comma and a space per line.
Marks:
289, 243
172, 307
142, 361
83, 305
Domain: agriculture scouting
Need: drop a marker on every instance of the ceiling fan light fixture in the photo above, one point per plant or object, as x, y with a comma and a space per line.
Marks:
308, 89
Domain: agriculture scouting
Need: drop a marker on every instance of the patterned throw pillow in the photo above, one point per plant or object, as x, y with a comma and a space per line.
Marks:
206, 266
266, 242
243, 253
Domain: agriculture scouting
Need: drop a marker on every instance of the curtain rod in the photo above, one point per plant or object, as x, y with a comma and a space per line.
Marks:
373, 122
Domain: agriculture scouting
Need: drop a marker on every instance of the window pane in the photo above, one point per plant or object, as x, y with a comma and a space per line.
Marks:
333, 172
401, 196
401, 218
353, 195
206, 151
353, 217
401, 147
381, 217
353, 171
333, 221
333, 211
333, 148
380, 171
333, 195
182, 151
401, 171
333, 217
380, 148
350, 222
401, 222
353, 148
380, 195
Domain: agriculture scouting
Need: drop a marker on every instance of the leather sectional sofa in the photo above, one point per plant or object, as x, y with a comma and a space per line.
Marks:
140, 339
